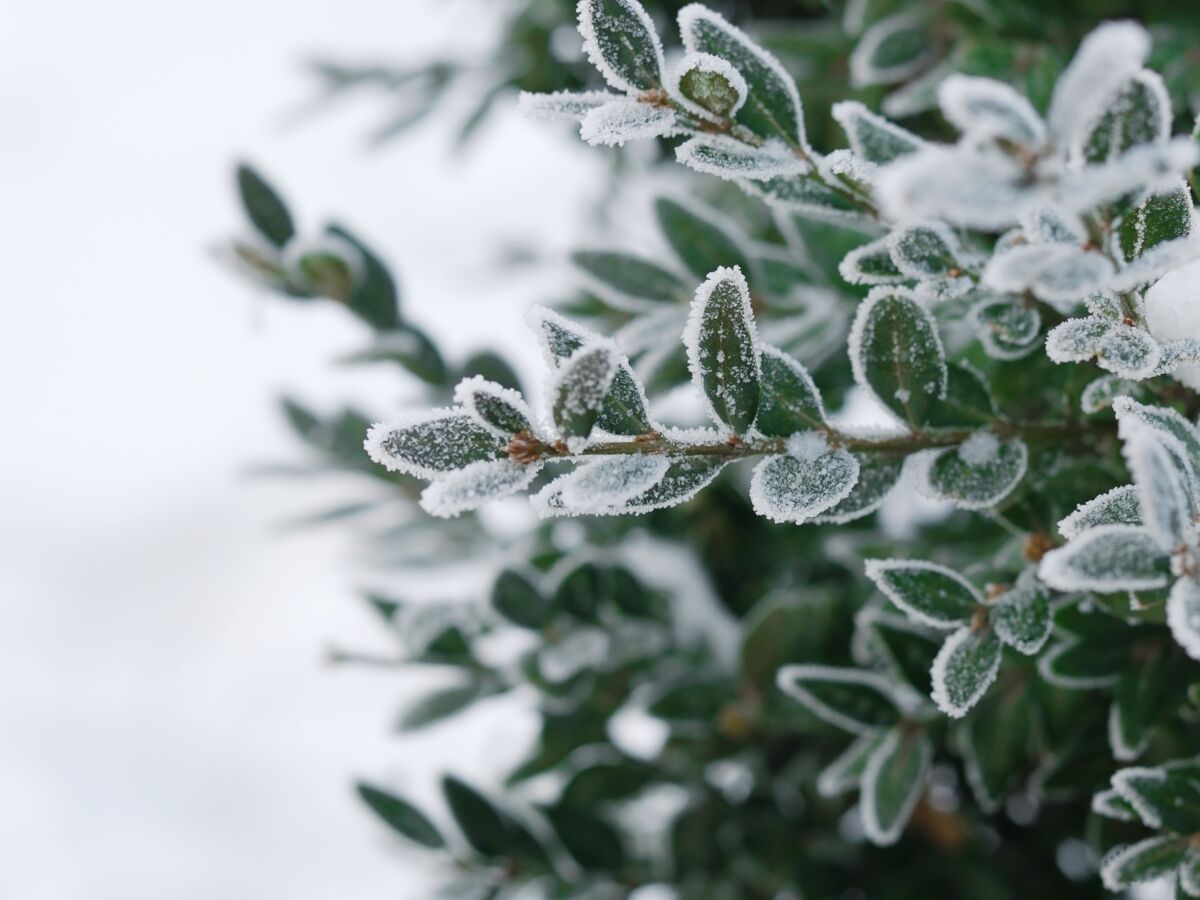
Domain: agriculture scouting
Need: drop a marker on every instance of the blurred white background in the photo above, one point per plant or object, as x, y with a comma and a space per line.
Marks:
169, 728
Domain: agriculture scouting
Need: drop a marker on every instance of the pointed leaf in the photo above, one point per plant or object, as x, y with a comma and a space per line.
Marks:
401, 816
620, 40
579, 387
894, 780
433, 443
722, 348
931, 594
964, 669
854, 700
264, 207
700, 238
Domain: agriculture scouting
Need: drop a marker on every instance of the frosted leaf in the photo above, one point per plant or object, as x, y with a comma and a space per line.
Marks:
1051, 225
964, 669
1100, 393
1166, 796
1167, 421
806, 196
1105, 305
896, 353
722, 348
432, 443
855, 700
685, 477
977, 474
577, 389
988, 108
1159, 219
918, 94
789, 400
794, 488
853, 171
772, 106
1119, 506
1173, 312
562, 105
501, 409
877, 475
1062, 274
1189, 873
928, 593
1145, 168
612, 124
1106, 558
603, 487
893, 782
845, 773
925, 250
871, 263
701, 237
726, 157
1183, 615
1147, 860
1165, 482
477, 484
620, 40
1124, 350
892, 50
873, 137
1105, 59
1020, 617
707, 85
1136, 112
1156, 262
1074, 665
1007, 327
630, 281
1111, 805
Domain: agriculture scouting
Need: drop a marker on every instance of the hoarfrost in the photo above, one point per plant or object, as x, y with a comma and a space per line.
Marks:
883, 824
428, 444
499, 408
924, 249
726, 157
1021, 616
979, 449
984, 107
576, 390
1106, 558
1118, 506
1165, 482
477, 484
876, 59
1105, 59
562, 105
624, 120
708, 64
870, 264
1147, 860
1183, 615
964, 669
926, 592
792, 679
1124, 350
977, 474
722, 347
606, 485
796, 488
873, 138
1062, 274
620, 40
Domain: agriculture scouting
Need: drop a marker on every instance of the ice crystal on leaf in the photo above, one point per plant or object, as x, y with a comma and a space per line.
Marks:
707, 85
621, 42
474, 486
1106, 558
964, 669
433, 443
808, 481
615, 123
722, 348
566, 105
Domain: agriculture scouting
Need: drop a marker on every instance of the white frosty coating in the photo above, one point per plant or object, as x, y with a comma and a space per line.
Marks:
797, 487
1116, 506
1062, 274
695, 322
1021, 617
872, 137
808, 446
1123, 750
790, 680
707, 63
1100, 393
1105, 59
1051, 224
1048, 672
1106, 558
1156, 461
1173, 311
378, 434
468, 391
1006, 328
834, 779
1108, 803
698, 12
1150, 168
1156, 262
609, 483
972, 485
1124, 350
539, 317
959, 680
979, 449
868, 808
877, 570
1116, 859
1183, 615
580, 383
845, 165
990, 108
612, 124
850, 268
728, 158
471, 487
910, 242
569, 106
587, 12
1119, 106
684, 479
864, 72
980, 190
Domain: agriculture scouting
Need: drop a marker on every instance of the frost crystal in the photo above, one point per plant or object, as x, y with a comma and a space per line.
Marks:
1105, 59
621, 42
977, 474
873, 138
1021, 616
726, 157
986, 108
576, 390
1118, 506
475, 485
1106, 558
501, 409
1124, 350
1147, 860
924, 249
1165, 482
980, 449
564, 105
1062, 274
683, 479
1183, 615
432, 443
926, 592
964, 669
606, 485
722, 95
623, 120
796, 488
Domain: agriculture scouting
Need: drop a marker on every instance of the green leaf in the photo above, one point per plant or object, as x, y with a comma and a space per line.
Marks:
722, 348
897, 355
926, 250
1082, 665
1146, 860
1142, 697
967, 403
1107, 558
788, 401
908, 649
854, 700
964, 669
401, 816
705, 84
995, 742
892, 50
803, 483
845, 773
1164, 797
583, 590
326, 273
484, 826
438, 706
872, 137
1021, 616
580, 386
1117, 506
498, 407
374, 298
878, 473
1007, 329
517, 600
264, 207
1138, 113
870, 263
696, 699
892, 782
631, 276
591, 841
806, 196
1157, 219
441, 441
978, 473
700, 239
408, 347
620, 40
605, 783
928, 593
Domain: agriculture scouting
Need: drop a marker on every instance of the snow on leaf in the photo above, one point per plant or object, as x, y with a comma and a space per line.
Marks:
1119, 506
977, 474
893, 782
984, 107
707, 86
1062, 274
1165, 420
1052, 225
772, 106
1173, 312
1148, 168
845, 773
612, 124
796, 487
1020, 616
1129, 864
964, 669
1124, 350
1183, 615
928, 593
855, 700
472, 487
877, 475
577, 388
873, 138
1105, 59
1135, 112
1007, 328
1106, 558
1159, 219
722, 348
728, 158
892, 50
606, 485
788, 399
871, 264
639, 283
896, 353
925, 250
1164, 479
621, 42
684, 478
1076, 666
432, 443
496, 406
562, 105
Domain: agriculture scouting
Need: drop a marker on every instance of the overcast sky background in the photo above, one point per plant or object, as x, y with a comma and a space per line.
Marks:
169, 728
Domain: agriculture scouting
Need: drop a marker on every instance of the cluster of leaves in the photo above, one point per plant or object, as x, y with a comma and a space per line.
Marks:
993, 665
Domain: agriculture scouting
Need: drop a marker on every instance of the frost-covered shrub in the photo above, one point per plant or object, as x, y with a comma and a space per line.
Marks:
922, 570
